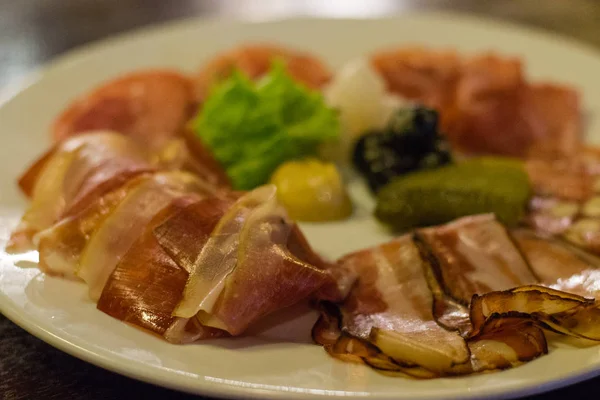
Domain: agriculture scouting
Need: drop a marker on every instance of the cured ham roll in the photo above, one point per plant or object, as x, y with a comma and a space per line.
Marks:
73, 173
161, 247
213, 267
84, 168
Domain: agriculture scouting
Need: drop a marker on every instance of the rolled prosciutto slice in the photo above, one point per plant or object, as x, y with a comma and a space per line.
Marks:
72, 174
147, 284
101, 233
125, 223
187, 257
254, 245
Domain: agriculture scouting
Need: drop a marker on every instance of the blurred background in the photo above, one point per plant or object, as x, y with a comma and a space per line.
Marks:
33, 31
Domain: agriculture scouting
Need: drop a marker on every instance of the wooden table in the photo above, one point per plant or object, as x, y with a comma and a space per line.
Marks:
34, 31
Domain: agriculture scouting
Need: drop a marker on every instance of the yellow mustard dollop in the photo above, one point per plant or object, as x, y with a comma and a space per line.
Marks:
312, 190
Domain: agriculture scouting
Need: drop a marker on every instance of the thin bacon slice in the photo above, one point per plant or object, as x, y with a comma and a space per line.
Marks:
505, 341
387, 322
392, 295
150, 106
496, 279
255, 61
559, 265
475, 255
552, 309
147, 284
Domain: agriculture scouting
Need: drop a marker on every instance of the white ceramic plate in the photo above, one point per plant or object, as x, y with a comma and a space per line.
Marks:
278, 362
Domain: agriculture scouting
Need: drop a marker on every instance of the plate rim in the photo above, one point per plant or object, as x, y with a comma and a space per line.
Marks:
147, 374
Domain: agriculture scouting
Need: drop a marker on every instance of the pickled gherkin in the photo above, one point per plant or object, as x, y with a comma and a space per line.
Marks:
475, 186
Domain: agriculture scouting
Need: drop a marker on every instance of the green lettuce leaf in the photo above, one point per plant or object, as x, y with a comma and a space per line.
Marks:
253, 127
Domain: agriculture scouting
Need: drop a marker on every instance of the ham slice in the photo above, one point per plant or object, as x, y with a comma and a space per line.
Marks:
231, 259
75, 171
126, 222
152, 109
419, 74
210, 263
485, 103
248, 249
265, 261
484, 117
147, 283
62, 246
149, 106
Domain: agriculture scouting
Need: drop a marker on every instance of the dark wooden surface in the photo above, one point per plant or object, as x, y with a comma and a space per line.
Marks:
34, 31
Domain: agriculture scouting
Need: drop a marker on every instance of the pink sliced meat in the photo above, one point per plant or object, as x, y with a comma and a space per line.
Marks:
126, 222
388, 323
149, 106
475, 255
560, 265
79, 169
250, 248
485, 102
147, 283
60, 246
419, 74
484, 117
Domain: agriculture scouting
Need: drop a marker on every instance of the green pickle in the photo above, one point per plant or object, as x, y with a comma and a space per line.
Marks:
475, 186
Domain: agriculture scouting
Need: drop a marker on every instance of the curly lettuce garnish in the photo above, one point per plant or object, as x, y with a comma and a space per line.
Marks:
253, 127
